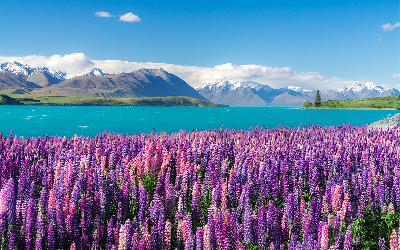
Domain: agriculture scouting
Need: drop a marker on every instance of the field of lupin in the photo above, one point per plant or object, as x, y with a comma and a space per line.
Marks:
309, 188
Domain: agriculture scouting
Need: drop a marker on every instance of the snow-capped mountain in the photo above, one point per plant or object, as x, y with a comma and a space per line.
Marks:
365, 90
248, 93
22, 70
299, 89
237, 93
95, 72
16, 68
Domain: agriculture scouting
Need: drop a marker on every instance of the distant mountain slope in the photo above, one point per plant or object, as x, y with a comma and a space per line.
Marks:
139, 83
12, 81
236, 93
17, 76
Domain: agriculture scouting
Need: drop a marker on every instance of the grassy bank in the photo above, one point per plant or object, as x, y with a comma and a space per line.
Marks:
102, 101
391, 102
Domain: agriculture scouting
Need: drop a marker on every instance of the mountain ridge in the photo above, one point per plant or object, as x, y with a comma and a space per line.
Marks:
17, 78
231, 92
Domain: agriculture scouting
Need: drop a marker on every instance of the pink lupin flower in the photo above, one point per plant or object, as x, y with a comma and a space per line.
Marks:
207, 238
345, 204
325, 237
394, 244
167, 234
224, 201
52, 199
72, 247
3, 201
122, 238
283, 222
337, 196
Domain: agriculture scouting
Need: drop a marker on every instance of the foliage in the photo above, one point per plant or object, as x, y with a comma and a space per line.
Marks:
373, 225
390, 102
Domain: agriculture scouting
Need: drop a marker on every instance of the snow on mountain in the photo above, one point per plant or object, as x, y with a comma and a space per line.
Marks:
229, 84
95, 72
16, 68
299, 89
25, 71
246, 93
361, 87
364, 90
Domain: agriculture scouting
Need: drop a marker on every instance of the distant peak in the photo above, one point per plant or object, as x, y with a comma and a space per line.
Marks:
95, 72
298, 89
234, 84
23, 70
361, 87
152, 70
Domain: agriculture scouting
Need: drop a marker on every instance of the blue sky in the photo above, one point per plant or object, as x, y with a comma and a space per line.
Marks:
335, 38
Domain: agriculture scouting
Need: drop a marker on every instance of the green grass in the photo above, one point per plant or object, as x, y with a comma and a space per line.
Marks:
391, 102
104, 101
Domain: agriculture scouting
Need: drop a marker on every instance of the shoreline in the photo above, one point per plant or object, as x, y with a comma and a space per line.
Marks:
358, 108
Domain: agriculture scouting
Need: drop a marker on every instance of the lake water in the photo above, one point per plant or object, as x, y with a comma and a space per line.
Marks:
92, 120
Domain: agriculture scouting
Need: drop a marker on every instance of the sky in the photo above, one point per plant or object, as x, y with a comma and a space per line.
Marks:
315, 44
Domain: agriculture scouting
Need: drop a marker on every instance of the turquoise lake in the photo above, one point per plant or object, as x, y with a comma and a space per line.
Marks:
92, 120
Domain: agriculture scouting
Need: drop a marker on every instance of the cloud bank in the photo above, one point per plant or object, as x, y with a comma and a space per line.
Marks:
130, 18
390, 26
77, 63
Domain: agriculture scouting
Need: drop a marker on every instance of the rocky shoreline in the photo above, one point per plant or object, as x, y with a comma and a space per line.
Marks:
387, 123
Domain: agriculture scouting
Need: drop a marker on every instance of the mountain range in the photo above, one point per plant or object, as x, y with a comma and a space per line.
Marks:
17, 78
248, 93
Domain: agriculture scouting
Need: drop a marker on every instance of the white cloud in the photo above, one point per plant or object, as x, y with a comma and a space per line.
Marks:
390, 26
103, 14
76, 63
130, 18
396, 75
70, 63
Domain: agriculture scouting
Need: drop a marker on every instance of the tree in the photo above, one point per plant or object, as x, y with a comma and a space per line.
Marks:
317, 102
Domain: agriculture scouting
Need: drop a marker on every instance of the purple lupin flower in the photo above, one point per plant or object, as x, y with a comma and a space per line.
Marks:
261, 227
196, 196
199, 238
30, 224
40, 229
110, 234
382, 243
51, 230
248, 224
11, 215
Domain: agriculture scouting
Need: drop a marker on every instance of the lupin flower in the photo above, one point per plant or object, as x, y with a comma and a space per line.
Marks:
324, 237
382, 244
394, 244
167, 234
3, 201
248, 224
199, 238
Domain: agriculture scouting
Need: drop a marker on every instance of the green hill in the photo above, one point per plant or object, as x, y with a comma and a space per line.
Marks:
103, 101
390, 102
